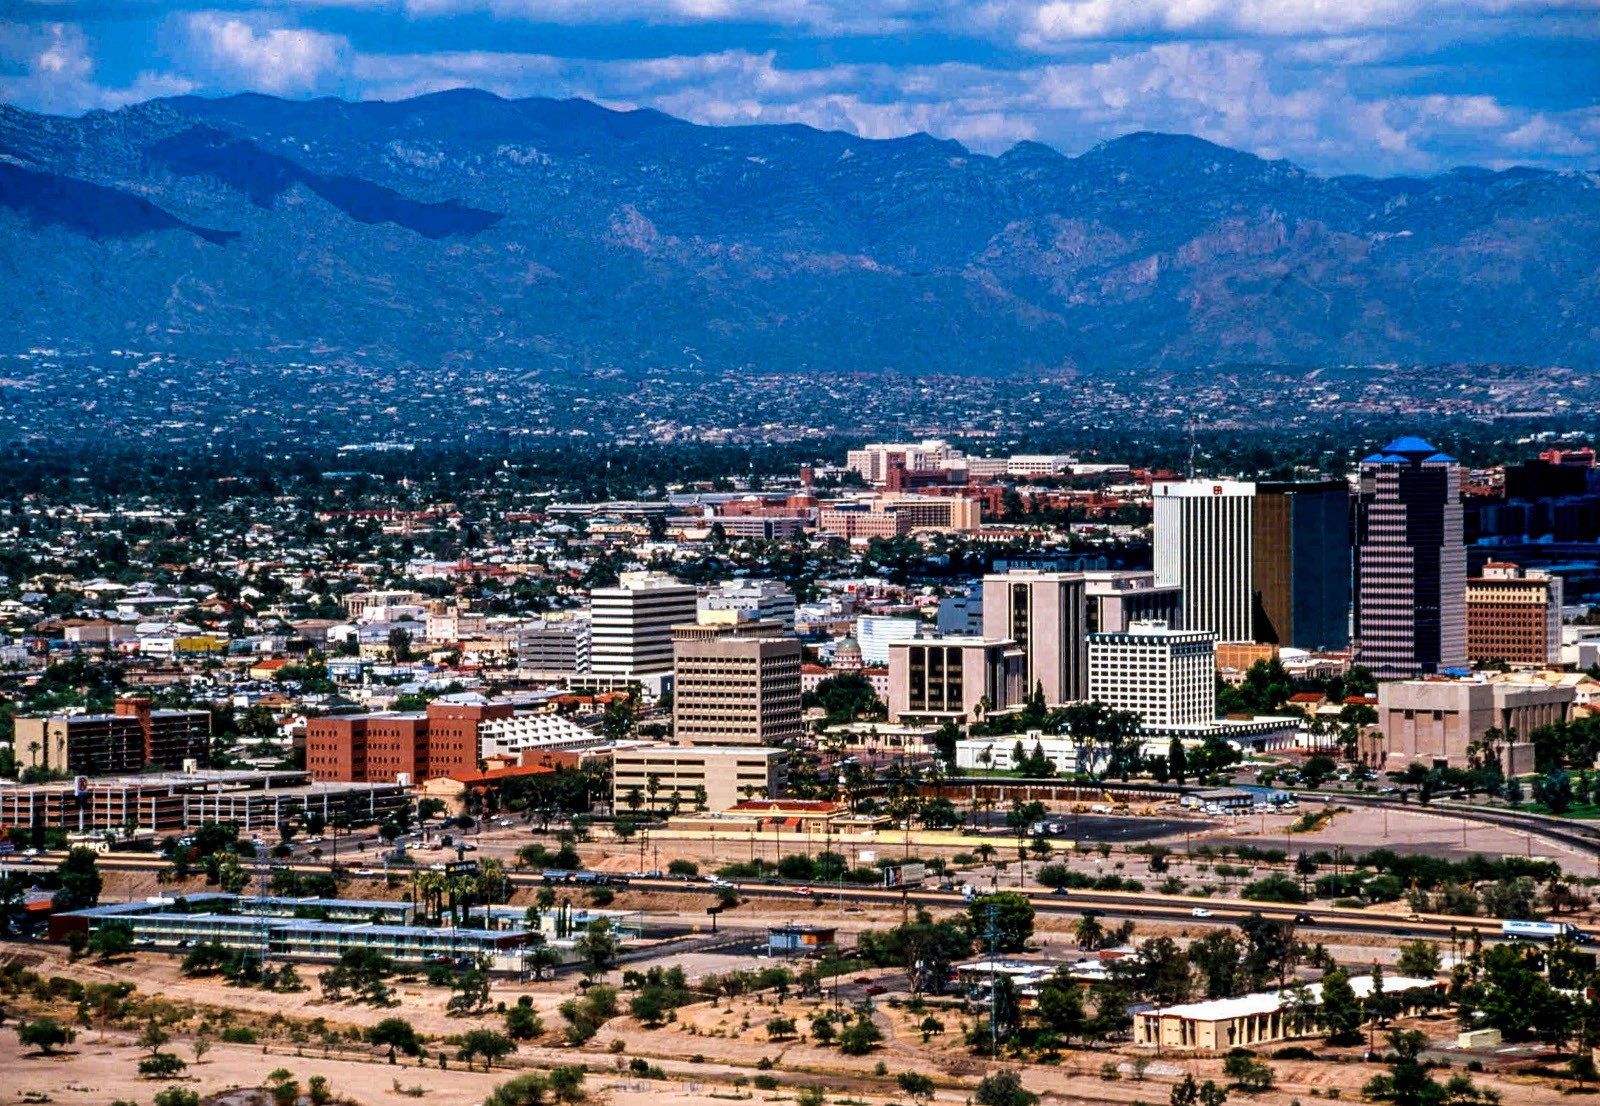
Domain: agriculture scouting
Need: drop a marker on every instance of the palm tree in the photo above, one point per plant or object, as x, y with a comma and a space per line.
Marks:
1089, 932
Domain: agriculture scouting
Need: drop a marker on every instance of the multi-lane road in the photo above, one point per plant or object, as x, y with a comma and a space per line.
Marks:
1111, 905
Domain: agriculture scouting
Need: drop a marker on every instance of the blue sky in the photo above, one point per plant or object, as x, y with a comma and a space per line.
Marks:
1366, 86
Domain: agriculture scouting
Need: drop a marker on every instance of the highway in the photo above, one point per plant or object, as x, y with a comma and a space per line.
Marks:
1111, 905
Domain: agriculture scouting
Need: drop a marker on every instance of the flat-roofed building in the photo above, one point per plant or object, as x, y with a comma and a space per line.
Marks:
1046, 614
554, 645
132, 737
1514, 615
1167, 677
1410, 563
727, 775
954, 678
752, 601
631, 624
1435, 722
730, 688
1114, 600
391, 746
1219, 1025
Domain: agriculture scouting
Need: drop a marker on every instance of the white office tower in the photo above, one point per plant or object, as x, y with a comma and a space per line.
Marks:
1205, 545
631, 624
750, 601
1167, 677
875, 632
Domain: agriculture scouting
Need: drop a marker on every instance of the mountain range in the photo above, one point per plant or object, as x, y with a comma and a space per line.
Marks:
560, 233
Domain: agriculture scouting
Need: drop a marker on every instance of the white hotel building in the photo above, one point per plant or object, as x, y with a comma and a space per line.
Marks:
1167, 677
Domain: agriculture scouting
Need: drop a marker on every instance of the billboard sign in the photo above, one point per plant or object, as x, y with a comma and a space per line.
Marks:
905, 875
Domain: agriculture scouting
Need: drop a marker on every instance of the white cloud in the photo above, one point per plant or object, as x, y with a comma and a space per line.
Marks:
51, 67
1232, 94
263, 58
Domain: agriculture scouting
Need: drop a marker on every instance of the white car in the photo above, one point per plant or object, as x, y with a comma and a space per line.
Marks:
1200, 912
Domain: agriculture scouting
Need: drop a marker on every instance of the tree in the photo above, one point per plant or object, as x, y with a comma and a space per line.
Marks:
161, 1065
1419, 958
585, 1015
471, 993
597, 948
45, 1034
1011, 917
522, 1021
1186, 1092
780, 1028
822, 1030
916, 1085
176, 1096
1216, 956
1341, 1010
1250, 1075
566, 1083
152, 1037
396, 1034
860, 1037
1059, 1007
1408, 1082
80, 882
1554, 791
400, 644
1003, 1088
113, 939
486, 1043
1088, 932
1177, 761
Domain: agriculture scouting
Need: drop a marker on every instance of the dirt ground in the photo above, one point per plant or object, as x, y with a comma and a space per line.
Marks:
710, 1051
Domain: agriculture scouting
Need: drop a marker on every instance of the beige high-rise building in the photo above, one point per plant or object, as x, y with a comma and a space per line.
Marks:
732, 686
954, 678
1045, 613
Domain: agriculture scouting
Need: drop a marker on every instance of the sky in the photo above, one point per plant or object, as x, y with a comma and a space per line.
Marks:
1380, 87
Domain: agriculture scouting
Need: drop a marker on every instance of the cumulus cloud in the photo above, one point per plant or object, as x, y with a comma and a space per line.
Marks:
1353, 85
51, 67
263, 58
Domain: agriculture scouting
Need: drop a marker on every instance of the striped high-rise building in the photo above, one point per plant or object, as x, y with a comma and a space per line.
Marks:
631, 624
1410, 562
1205, 544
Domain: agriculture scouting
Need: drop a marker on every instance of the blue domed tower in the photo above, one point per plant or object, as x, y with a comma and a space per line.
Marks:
1410, 562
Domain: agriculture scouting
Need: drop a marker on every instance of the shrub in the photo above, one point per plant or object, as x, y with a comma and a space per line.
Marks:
161, 1065
764, 1083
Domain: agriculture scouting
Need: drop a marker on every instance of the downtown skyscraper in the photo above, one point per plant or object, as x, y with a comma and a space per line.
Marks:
1261, 562
1410, 562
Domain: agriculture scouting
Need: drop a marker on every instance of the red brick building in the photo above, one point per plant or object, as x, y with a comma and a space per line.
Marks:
379, 748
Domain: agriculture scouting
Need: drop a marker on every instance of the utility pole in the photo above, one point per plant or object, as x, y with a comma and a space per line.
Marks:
992, 934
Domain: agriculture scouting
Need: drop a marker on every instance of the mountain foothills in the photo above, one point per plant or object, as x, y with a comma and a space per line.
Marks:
562, 233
